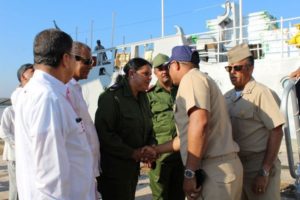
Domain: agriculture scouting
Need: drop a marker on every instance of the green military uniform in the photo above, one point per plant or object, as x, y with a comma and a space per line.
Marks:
123, 123
167, 177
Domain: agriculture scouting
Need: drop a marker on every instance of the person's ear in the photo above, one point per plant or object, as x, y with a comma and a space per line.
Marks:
177, 64
130, 73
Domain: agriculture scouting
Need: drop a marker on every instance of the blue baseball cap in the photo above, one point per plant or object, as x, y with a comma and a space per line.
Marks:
184, 53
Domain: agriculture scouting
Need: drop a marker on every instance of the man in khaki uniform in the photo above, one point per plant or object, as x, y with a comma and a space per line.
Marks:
204, 131
256, 122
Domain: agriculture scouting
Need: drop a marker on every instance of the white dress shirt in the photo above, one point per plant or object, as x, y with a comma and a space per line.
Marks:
14, 95
53, 157
8, 133
81, 109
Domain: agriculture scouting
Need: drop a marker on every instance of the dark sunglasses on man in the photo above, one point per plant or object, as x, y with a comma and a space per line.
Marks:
86, 61
236, 68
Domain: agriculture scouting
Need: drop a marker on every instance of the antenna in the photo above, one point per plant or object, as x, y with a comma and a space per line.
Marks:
92, 27
113, 29
162, 18
55, 25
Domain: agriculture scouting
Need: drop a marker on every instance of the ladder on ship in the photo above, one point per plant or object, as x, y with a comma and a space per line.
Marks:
290, 108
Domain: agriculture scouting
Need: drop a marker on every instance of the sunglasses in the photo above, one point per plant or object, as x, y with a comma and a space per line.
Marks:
162, 68
236, 68
169, 65
86, 61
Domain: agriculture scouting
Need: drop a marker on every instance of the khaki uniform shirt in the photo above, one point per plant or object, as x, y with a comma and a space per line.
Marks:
198, 89
253, 115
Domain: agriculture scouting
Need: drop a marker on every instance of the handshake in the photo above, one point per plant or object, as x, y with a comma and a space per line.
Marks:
146, 154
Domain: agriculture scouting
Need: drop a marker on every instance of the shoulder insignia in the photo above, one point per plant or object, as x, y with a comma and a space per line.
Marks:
115, 87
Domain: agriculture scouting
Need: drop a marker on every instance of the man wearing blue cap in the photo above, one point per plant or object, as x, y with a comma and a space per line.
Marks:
204, 132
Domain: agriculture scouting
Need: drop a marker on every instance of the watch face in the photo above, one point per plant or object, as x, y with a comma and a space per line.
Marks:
263, 172
189, 173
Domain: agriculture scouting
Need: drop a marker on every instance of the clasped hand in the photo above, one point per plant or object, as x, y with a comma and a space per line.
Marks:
146, 154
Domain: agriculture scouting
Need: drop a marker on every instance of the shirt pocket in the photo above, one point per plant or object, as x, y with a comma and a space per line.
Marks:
77, 132
243, 111
158, 107
130, 125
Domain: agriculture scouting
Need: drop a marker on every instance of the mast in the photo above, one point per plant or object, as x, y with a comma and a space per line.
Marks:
113, 29
241, 21
92, 29
162, 19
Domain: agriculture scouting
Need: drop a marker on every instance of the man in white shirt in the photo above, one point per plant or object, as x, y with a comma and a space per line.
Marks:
24, 74
53, 157
8, 135
84, 62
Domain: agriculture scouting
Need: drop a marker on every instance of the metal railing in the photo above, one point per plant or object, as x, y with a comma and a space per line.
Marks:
274, 36
289, 92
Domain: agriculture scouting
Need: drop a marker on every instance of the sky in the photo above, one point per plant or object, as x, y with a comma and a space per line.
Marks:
134, 20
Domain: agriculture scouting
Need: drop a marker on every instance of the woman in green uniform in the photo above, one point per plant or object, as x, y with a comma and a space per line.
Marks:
124, 126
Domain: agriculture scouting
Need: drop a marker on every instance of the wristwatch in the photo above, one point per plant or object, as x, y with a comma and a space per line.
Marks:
263, 172
189, 174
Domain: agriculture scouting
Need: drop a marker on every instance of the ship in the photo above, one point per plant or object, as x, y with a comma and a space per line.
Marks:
274, 43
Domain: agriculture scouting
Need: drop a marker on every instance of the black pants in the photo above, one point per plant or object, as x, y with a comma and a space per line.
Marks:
117, 189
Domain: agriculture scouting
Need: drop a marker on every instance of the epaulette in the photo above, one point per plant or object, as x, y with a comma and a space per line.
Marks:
115, 87
151, 88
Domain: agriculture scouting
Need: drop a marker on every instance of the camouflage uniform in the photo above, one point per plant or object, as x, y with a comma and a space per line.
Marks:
167, 177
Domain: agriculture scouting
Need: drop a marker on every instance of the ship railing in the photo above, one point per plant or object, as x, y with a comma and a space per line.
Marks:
105, 56
289, 100
267, 39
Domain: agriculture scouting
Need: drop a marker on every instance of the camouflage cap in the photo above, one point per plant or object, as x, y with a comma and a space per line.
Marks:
159, 60
238, 53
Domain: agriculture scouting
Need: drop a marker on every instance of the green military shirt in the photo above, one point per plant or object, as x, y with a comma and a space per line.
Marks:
123, 124
161, 104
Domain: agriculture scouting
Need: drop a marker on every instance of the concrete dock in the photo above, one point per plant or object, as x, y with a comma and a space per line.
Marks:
143, 191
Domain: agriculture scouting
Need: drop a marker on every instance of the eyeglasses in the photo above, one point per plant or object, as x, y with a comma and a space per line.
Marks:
86, 61
144, 74
169, 65
236, 68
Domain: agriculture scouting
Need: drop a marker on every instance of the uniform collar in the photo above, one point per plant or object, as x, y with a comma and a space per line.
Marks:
247, 90
127, 90
159, 88
249, 86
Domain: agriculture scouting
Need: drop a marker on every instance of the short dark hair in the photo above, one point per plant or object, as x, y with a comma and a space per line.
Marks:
50, 45
78, 46
22, 69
